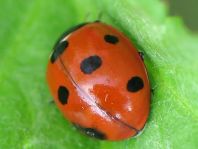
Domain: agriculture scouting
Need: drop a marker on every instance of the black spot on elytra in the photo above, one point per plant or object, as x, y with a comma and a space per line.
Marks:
58, 42
111, 39
91, 132
90, 64
135, 84
63, 94
59, 49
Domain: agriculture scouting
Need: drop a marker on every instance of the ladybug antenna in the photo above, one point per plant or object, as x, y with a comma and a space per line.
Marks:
100, 15
87, 17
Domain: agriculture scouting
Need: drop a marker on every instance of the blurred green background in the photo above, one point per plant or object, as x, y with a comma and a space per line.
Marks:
188, 10
28, 31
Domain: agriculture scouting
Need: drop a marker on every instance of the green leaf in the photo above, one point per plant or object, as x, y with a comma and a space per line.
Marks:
28, 30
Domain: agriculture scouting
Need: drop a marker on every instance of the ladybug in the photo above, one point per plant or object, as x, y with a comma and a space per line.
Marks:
99, 81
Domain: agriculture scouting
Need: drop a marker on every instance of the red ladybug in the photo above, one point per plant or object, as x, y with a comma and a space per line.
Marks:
99, 81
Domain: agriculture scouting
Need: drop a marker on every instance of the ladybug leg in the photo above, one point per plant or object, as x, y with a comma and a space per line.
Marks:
141, 55
51, 102
91, 132
153, 90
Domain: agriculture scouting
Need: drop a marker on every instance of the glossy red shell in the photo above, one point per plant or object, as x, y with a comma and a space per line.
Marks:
100, 100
